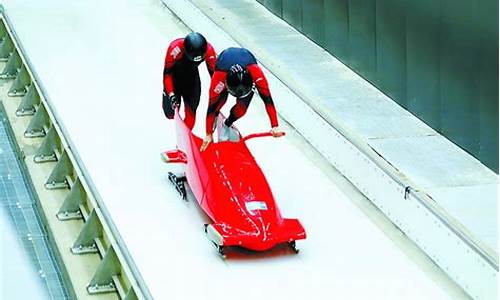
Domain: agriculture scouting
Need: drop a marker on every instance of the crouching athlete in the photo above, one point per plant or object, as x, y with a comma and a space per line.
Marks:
236, 73
180, 74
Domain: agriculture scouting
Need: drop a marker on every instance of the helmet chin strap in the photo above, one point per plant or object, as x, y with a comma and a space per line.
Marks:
246, 94
249, 91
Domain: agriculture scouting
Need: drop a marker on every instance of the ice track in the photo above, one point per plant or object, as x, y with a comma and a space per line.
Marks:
101, 65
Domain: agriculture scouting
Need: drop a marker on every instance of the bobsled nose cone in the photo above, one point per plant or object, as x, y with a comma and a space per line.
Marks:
224, 235
258, 238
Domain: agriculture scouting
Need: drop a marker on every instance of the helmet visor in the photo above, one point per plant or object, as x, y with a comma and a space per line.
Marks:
196, 57
240, 91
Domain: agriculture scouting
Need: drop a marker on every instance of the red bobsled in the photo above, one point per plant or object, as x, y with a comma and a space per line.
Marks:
232, 190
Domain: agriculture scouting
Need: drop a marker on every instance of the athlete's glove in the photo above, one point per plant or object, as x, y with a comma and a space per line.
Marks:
174, 101
276, 132
167, 107
208, 139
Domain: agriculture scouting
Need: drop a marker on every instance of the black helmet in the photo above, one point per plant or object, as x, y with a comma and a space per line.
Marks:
195, 46
239, 82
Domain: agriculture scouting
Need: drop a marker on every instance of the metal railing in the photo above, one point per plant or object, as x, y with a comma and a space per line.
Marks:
116, 271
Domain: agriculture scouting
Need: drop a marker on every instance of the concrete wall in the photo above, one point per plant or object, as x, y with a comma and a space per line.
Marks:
436, 58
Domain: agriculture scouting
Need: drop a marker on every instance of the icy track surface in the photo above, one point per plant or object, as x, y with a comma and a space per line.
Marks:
101, 65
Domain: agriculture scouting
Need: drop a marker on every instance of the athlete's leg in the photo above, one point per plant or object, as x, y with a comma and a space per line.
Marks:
239, 109
191, 98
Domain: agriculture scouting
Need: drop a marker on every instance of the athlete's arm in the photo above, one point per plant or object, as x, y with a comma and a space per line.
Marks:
216, 92
217, 87
172, 56
265, 94
210, 59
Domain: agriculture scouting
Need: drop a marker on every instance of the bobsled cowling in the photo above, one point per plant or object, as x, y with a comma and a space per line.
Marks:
232, 190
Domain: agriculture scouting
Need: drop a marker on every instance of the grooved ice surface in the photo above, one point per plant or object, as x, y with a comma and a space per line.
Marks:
346, 100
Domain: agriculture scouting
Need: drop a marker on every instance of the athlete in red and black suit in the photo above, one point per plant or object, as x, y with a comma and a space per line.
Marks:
180, 75
236, 73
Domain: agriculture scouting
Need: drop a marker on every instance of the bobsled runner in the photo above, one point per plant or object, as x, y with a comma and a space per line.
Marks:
232, 190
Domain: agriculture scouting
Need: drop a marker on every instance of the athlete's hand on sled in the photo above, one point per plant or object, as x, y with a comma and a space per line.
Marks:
165, 96
174, 101
276, 132
167, 106
208, 139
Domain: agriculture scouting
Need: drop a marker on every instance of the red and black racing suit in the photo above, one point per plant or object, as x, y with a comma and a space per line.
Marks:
181, 77
218, 92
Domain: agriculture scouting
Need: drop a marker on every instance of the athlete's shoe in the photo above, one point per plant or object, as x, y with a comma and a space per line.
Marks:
226, 133
223, 131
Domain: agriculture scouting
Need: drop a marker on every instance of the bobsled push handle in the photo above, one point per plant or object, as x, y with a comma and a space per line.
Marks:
256, 135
